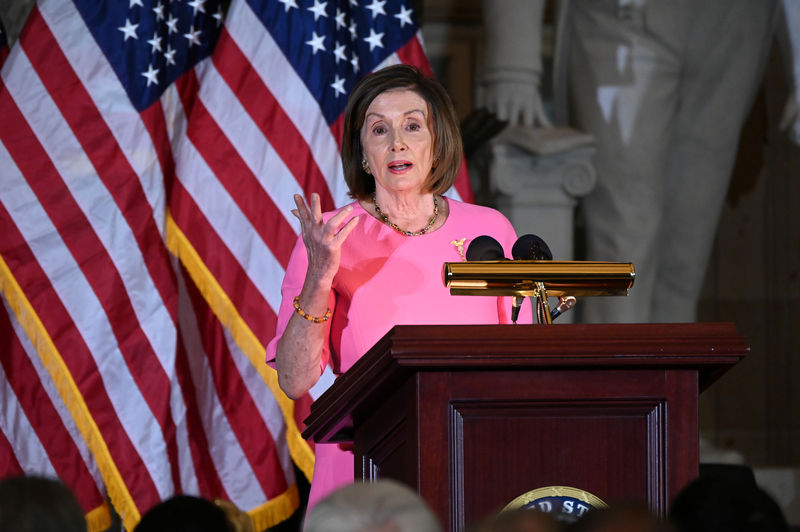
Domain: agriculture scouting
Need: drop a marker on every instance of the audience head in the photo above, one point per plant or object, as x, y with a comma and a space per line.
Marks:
620, 517
716, 503
519, 520
185, 513
382, 506
37, 504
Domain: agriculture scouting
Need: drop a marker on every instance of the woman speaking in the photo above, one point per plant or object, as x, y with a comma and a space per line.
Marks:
377, 262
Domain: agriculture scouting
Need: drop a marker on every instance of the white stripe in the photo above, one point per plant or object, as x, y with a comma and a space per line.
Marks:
97, 204
254, 149
227, 220
110, 98
89, 317
55, 398
229, 459
289, 90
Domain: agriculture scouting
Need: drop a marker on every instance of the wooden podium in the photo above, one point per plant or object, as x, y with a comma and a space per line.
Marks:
474, 416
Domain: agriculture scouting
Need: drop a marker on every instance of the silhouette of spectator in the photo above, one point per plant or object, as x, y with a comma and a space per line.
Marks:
382, 506
623, 516
519, 520
717, 503
185, 513
38, 504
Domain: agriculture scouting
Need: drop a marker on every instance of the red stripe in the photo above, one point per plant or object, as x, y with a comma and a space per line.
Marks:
43, 417
270, 117
412, 53
3, 54
67, 339
244, 418
235, 282
224, 160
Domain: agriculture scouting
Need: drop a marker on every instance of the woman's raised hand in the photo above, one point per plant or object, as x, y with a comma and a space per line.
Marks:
323, 240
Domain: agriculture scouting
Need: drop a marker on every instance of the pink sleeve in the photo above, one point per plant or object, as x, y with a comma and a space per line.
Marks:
292, 284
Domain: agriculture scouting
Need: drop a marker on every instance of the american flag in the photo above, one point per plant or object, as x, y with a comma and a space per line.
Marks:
149, 150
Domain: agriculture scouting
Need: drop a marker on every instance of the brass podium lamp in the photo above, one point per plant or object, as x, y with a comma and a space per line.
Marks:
539, 279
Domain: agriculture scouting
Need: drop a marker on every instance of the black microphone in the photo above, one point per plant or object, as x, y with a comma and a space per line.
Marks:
485, 248
531, 247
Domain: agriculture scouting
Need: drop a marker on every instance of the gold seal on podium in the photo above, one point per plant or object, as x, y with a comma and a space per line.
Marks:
565, 503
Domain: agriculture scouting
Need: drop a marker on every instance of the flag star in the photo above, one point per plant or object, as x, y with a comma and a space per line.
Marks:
151, 75
377, 7
318, 9
288, 4
340, 23
352, 29
155, 42
135, 3
197, 5
193, 36
172, 23
159, 11
354, 62
354, 3
316, 43
129, 29
338, 86
218, 15
374, 39
169, 55
339, 52
404, 16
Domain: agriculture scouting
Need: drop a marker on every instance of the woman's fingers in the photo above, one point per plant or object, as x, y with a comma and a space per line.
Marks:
303, 214
348, 227
316, 207
337, 219
310, 217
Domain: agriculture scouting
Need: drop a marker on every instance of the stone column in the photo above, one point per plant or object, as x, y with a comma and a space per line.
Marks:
535, 177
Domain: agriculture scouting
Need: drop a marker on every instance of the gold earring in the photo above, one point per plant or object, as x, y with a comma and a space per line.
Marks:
365, 166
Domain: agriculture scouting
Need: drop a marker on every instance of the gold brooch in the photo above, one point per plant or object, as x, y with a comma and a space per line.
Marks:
459, 245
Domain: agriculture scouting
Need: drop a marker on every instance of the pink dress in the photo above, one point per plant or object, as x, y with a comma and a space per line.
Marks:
386, 279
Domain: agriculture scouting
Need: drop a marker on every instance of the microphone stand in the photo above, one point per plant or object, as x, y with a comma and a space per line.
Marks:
543, 314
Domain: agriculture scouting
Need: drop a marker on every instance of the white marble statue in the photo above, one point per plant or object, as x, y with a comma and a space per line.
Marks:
664, 86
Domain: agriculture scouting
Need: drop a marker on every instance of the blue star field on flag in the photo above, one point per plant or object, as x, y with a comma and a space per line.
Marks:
150, 43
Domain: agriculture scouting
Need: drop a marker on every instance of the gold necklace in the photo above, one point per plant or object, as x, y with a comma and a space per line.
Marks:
422, 231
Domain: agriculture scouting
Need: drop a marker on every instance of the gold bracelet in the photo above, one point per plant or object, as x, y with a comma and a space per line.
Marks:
309, 317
